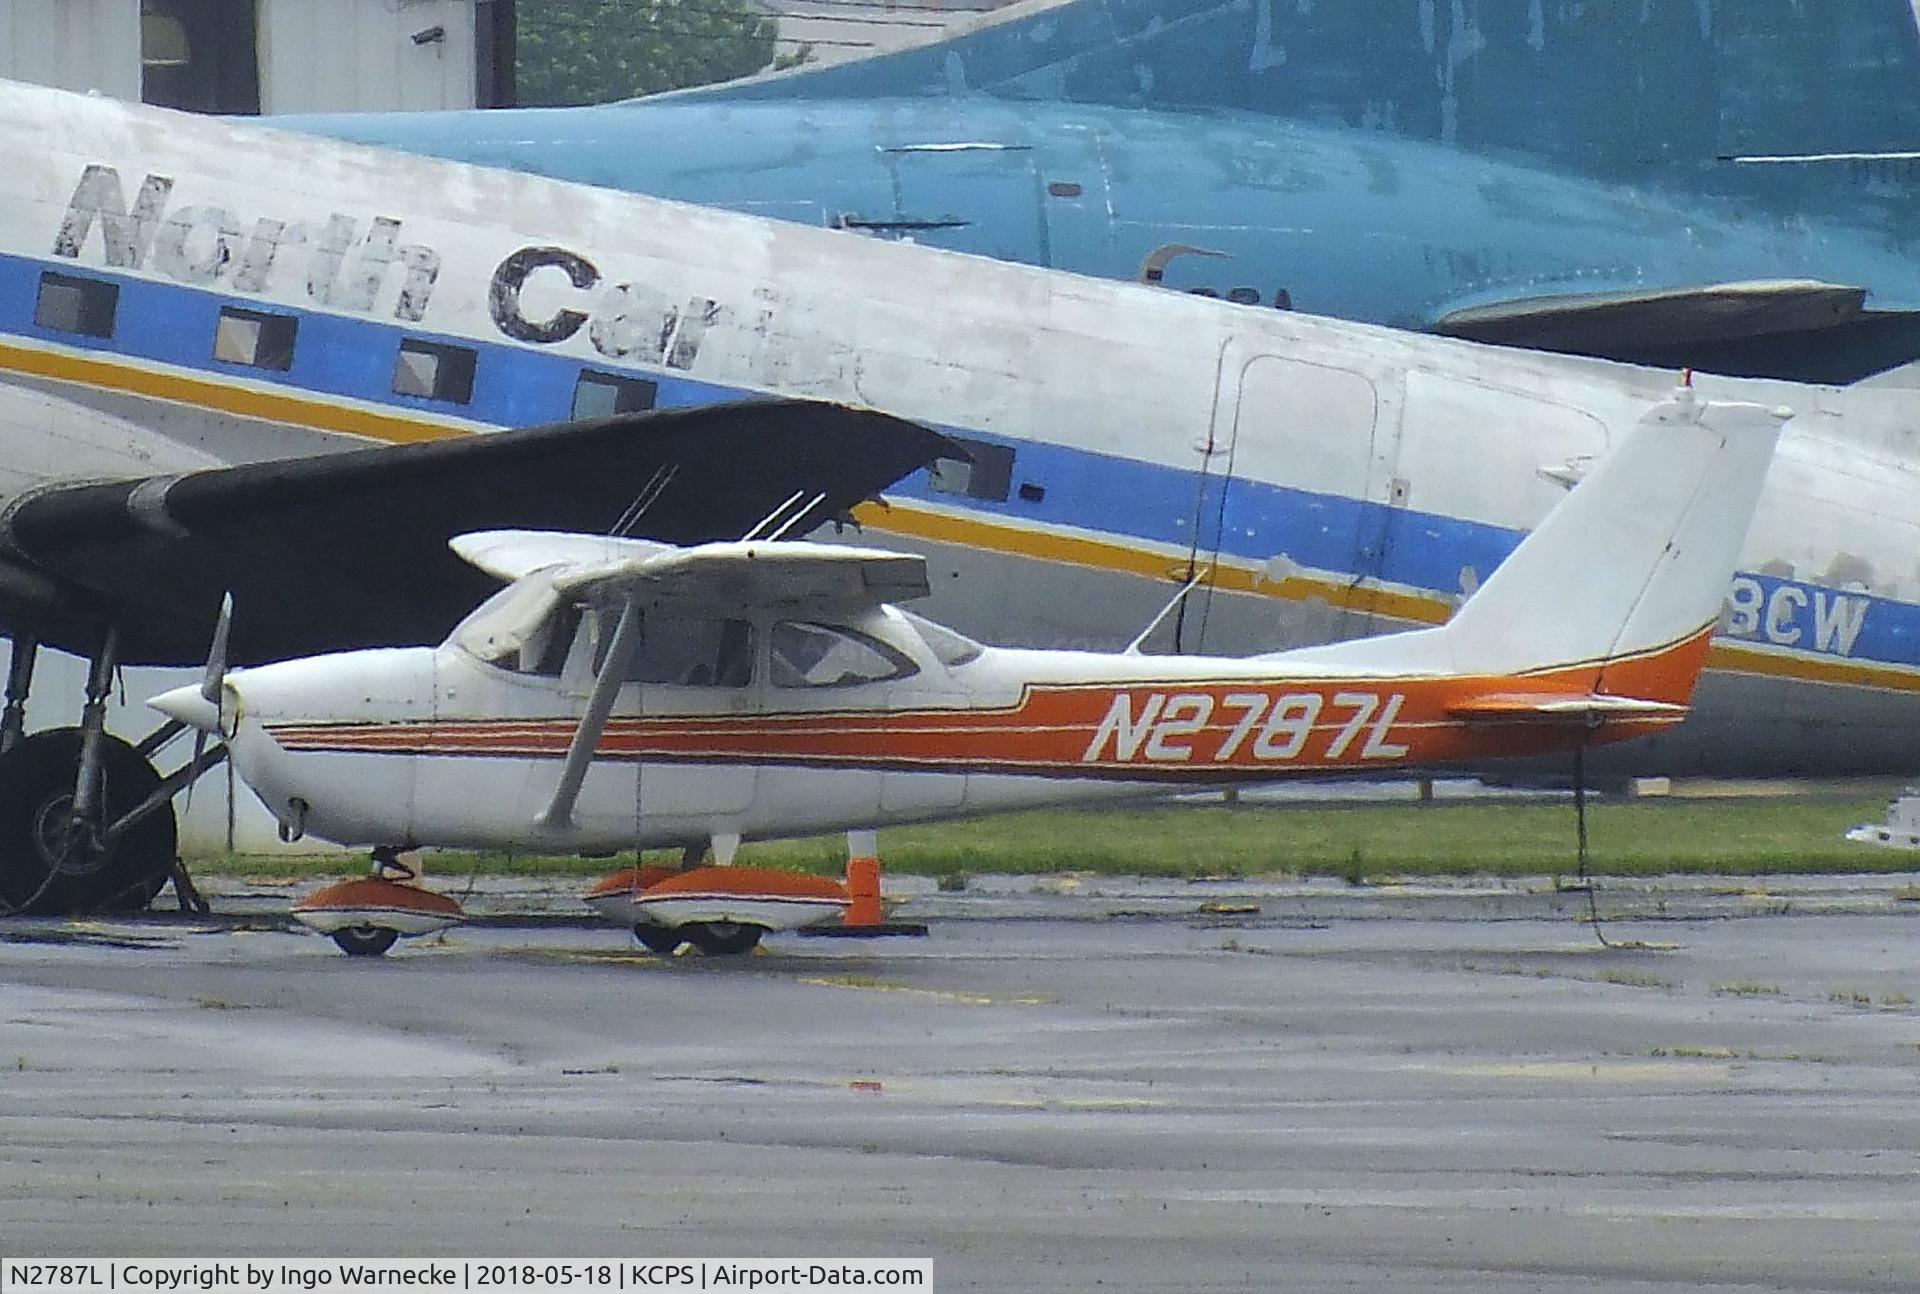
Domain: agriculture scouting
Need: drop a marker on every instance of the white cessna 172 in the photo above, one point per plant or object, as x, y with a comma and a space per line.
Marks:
621, 692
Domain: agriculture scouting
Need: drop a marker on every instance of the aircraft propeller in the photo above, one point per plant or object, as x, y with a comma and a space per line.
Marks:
212, 676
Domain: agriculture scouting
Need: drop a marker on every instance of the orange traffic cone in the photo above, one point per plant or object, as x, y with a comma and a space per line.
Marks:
866, 916
863, 892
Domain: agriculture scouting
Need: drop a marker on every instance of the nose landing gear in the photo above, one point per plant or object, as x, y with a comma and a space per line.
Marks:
365, 917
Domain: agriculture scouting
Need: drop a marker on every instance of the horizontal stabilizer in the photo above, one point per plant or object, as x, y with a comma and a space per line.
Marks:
1792, 329
1547, 707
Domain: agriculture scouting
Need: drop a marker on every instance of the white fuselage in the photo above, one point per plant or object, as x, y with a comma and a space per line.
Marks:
377, 770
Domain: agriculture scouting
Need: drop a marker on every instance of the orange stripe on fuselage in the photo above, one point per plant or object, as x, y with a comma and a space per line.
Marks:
1208, 730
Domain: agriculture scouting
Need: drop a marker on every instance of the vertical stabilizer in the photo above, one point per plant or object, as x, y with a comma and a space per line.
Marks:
1618, 590
1635, 562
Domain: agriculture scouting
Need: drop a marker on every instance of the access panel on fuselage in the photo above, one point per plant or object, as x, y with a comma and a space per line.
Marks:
1477, 466
984, 199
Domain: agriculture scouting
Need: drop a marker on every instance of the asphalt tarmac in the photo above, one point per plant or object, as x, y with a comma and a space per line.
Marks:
1081, 1096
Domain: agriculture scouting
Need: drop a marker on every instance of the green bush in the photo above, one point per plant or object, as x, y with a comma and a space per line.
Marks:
595, 51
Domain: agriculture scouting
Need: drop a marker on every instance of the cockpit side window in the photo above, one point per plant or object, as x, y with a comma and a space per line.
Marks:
545, 650
686, 652
523, 628
804, 654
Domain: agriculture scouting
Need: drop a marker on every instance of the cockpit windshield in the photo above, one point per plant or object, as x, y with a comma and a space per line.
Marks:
520, 628
949, 647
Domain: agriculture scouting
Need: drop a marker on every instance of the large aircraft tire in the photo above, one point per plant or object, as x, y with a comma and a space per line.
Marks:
722, 938
38, 877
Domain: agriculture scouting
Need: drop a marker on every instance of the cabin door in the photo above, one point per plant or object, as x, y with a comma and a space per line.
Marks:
1304, 496
694, 680
1478, 465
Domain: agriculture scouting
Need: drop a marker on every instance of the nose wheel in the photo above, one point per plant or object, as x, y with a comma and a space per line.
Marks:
661, 941
365, 917
365, 941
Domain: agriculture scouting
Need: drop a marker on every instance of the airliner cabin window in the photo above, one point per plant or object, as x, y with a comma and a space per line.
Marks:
434, 372
811, 655
76, 305
988, 476
678, 651
602, 395
255, 338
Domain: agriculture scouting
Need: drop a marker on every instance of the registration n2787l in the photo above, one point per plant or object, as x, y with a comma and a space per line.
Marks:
1243, 727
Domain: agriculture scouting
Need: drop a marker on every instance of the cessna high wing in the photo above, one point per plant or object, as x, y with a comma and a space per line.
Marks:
225, 286
619, 692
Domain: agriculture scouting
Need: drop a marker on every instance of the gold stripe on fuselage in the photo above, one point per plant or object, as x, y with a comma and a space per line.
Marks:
215, 396
1729, 655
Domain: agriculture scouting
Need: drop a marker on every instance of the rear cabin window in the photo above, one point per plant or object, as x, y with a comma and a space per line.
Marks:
949, 647
802, 654
989, 476
602, 395
433, 371
255, 338
68, 303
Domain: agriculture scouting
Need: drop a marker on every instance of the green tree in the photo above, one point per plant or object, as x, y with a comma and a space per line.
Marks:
594, 51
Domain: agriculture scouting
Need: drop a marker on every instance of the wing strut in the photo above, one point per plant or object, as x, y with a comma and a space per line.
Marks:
586, 738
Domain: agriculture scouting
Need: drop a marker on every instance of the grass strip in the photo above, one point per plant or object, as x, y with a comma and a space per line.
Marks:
1732, 837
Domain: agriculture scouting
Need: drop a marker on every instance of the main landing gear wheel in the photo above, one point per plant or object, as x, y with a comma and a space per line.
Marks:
659, 940
722, 938
365, 941
46, 868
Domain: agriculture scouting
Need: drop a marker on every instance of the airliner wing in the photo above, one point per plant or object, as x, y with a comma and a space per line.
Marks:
1800, 330
350, 550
